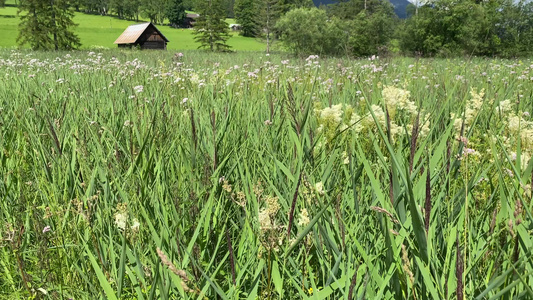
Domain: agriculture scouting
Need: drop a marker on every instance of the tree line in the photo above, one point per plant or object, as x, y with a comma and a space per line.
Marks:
157, 11
433, 28
351, 27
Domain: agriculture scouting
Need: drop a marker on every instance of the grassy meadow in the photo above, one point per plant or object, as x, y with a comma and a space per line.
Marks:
97, 31
140, 175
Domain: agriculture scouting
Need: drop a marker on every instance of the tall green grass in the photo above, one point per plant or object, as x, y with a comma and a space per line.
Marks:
215, 181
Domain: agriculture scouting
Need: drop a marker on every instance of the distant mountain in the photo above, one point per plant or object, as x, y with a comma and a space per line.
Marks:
400, 6
324, 2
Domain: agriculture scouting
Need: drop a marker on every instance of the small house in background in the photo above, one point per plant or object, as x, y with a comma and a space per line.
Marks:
235, 27
189, 20
145, 36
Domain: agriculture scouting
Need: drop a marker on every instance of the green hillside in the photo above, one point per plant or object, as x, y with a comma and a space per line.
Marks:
102, 31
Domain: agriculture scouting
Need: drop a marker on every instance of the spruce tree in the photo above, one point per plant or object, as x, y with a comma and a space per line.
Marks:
247, 15
230, 8
175, 12
211, 29
32, 26
47, 25
286, 5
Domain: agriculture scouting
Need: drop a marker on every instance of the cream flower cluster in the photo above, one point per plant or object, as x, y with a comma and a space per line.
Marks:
398, 99
472, 108
122, 219
266, 215
332, 120
269, 231
522, 128
401, 109
518, 127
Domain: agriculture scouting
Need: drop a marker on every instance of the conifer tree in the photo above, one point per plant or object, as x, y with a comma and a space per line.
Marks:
287, 5
47, 25
211, 29
247, 15
175, 12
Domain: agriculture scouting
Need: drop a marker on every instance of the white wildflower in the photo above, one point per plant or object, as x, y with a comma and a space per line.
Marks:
121, 218
304, 218
504, 106
398, 99
138, 88
356, 123
264, 220
45, 292
272, 205
135, 225
345, 158
319, 187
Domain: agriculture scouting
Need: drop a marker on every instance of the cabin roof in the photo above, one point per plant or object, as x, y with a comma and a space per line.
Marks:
134, 32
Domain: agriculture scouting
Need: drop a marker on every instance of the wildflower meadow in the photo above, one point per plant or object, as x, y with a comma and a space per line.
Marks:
144, 175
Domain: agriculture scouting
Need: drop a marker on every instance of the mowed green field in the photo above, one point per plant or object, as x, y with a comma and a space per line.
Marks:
101, 31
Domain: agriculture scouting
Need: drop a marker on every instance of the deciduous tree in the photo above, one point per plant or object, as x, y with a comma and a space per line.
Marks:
270, 12
154, 10
371, 29
310, 31
469, 27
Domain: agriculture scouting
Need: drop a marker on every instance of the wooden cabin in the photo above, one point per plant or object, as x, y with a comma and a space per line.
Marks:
189, 20
145, 36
